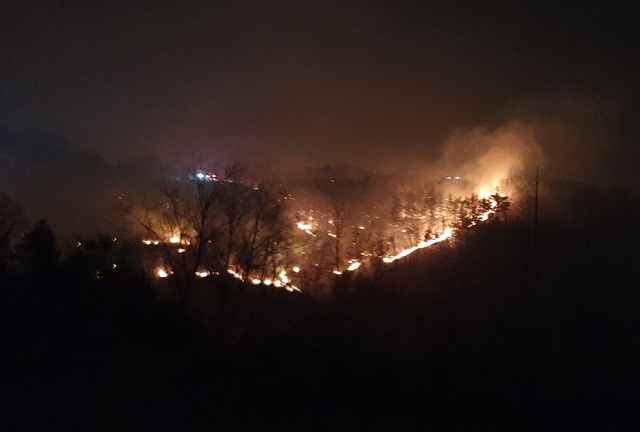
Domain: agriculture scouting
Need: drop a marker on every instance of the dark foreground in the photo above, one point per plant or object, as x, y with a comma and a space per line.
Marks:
453, 339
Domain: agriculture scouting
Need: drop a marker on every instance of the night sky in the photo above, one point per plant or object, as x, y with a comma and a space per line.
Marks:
311, 82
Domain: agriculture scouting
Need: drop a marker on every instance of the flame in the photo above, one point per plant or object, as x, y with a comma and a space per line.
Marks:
439, 216
283, 277
161, 272
485, 192
423, 244
304, 226
236, 275
203, 273
354, 266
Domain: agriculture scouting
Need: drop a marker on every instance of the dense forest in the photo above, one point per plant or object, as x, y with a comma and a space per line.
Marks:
512, 323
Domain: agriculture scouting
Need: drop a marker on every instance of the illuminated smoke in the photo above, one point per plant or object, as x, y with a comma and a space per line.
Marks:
486, 158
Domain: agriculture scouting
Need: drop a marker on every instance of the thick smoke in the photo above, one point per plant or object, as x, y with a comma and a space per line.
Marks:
485, 160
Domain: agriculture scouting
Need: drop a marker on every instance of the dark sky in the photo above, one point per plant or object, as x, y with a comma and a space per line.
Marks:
317, 79
362, 82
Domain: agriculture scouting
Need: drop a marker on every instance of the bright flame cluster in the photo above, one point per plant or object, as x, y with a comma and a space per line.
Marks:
310, 225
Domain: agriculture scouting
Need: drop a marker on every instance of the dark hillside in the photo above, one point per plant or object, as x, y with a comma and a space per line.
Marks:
456, 337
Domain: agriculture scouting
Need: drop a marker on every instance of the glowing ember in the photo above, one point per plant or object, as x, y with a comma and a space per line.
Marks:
296, 269
304, 226
161, 272
354, 266
283, 277
203, 273
174, 239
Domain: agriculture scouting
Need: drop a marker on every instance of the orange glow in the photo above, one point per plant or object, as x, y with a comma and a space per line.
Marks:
283, 277
354, 266
203, 273
423, 244
161, 272
304, 226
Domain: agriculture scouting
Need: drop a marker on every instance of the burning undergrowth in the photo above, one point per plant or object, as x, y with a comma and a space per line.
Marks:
302, 233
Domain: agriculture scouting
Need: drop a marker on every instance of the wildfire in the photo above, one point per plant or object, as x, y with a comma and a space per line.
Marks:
304, 226
354, 266
235, 274
161, 272
349, 235
423, 244
281, 281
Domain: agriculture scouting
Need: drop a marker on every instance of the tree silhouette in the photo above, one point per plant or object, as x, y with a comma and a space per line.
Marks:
12, 221
37, 253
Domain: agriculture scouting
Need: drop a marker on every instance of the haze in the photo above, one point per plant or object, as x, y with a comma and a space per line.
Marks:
285, 85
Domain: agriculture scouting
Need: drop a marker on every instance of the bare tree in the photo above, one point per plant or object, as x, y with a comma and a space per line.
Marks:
174, 220
263, 235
